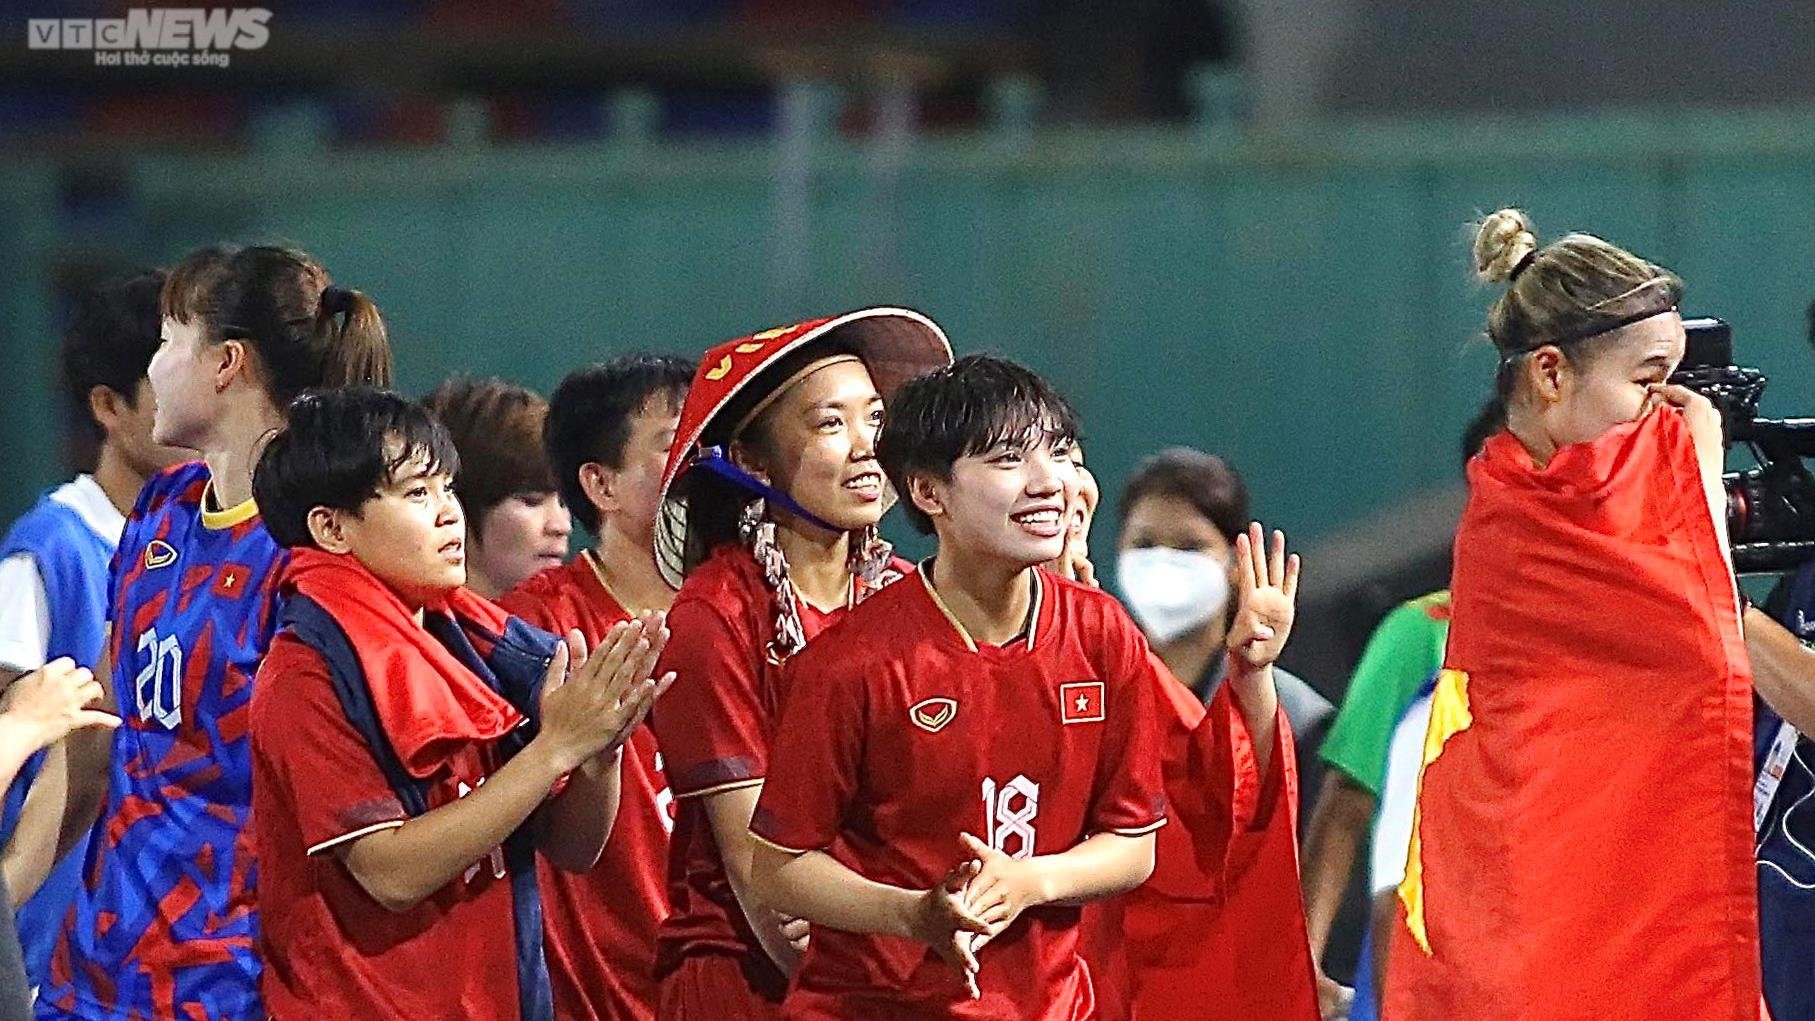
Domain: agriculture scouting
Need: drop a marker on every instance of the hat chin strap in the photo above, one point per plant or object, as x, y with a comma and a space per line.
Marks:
713, 459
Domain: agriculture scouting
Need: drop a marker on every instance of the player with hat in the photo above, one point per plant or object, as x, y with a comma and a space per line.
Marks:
770, 504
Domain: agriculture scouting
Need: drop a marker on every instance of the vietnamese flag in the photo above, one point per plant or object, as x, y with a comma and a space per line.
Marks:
1217, 933
1583, 842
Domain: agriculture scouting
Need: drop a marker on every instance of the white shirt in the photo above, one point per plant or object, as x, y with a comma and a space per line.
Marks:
24, 607
1398, 795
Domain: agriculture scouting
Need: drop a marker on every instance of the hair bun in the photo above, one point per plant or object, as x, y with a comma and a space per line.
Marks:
1502, 243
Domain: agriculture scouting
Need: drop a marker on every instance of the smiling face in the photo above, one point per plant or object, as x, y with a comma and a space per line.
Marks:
1007, 503
817, 443
410, 534
1582, 397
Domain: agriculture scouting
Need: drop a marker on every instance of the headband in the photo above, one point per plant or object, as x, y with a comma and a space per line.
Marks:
1651, 298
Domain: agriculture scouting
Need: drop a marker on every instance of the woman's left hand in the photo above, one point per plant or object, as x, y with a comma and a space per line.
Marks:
1266, 586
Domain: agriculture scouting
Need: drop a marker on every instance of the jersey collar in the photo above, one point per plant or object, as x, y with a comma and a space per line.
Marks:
925, 574
235, 515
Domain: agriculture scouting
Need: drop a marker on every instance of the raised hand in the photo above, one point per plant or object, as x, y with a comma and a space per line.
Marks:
943, 920
1266, 588
48, 703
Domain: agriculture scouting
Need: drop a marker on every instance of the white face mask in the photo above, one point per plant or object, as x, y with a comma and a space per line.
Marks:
1172, 591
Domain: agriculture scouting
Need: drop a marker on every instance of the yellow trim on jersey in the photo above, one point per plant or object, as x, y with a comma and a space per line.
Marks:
1033, 609
219, 519
759, 838
355, 835
1449, 716
719, 788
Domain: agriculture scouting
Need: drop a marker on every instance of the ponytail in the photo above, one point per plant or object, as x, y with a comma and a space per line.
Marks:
307, 333
353, 341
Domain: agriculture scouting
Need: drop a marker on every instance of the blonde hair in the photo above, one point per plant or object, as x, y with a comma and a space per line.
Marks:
1571, 290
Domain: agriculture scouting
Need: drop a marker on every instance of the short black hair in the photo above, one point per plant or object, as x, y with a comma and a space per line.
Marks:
109, 340
337, 450
589, 417
1208, 483
965, 409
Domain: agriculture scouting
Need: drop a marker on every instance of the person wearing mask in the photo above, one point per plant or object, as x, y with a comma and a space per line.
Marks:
1181, 513
1218, 931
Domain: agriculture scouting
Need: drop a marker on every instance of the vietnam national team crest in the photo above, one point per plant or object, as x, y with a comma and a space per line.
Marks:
932, 714
1081, 702
159, 553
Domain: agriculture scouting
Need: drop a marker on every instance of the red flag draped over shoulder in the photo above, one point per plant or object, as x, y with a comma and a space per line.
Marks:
1583, 842
1218, 930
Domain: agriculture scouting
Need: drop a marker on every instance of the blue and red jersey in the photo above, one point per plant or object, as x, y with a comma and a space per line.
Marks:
165, 925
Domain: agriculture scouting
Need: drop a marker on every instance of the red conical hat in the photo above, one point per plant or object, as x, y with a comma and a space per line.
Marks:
895, 344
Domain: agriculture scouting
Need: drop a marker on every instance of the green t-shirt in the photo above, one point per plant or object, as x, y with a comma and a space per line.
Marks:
1405, 650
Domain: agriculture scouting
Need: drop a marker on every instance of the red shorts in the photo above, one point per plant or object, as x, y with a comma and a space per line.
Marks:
713, 987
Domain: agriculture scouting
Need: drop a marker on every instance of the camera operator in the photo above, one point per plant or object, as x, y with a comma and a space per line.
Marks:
1769, 511
1578, 849
1784, 671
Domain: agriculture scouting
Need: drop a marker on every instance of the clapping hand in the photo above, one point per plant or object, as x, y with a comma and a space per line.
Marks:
944, 920
592, 703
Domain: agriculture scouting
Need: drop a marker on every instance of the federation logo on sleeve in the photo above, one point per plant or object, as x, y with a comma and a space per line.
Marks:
1081, 702
159, 553
932, 714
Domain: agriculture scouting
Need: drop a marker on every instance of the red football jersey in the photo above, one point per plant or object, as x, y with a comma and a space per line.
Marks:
600, 926
714, 725
329, 949
900, 732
